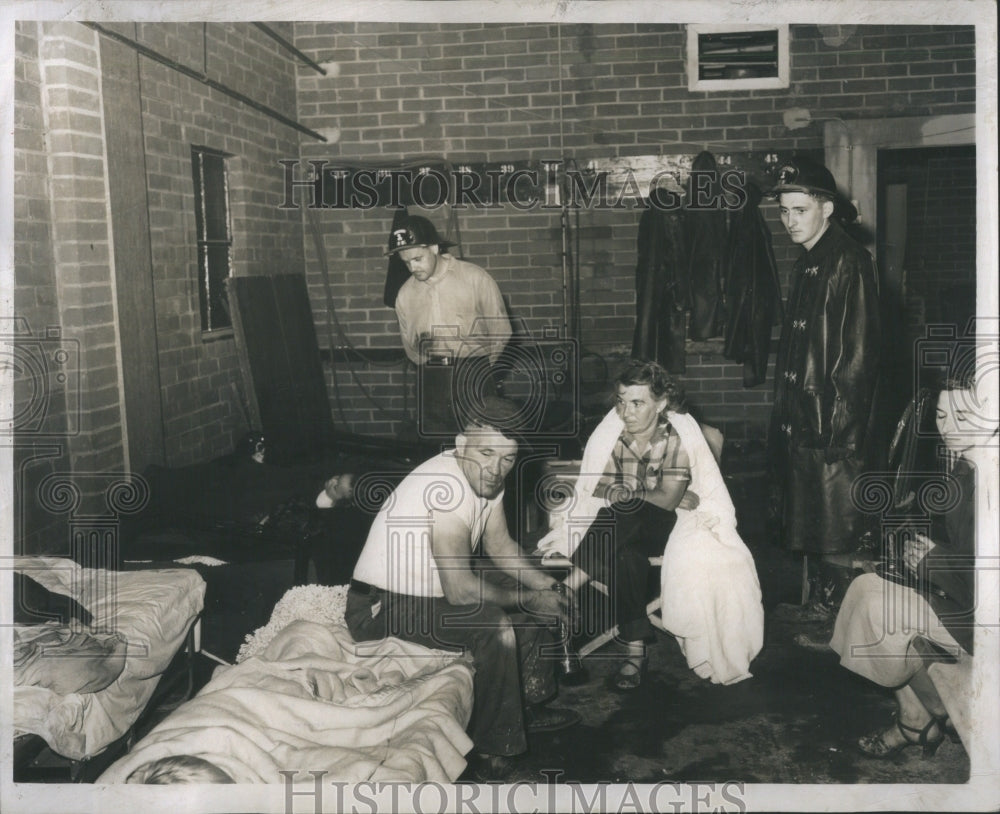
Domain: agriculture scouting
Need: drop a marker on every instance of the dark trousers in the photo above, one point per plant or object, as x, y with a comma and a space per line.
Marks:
513, 654
448, 393
616, 550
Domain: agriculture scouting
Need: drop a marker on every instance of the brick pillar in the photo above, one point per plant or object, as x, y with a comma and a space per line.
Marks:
72, 110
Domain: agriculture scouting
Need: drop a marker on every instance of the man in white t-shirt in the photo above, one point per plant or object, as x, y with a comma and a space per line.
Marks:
440, 568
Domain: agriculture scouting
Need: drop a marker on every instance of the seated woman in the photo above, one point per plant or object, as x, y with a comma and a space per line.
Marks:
636, 471
890, 631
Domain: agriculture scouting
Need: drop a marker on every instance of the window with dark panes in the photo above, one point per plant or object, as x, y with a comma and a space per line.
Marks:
215, 242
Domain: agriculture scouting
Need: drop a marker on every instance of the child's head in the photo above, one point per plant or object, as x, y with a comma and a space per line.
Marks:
178, 769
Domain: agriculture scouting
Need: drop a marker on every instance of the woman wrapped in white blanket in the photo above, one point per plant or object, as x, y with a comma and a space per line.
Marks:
710, 593
647, 471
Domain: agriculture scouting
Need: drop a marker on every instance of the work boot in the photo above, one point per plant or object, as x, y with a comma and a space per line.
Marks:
541, 718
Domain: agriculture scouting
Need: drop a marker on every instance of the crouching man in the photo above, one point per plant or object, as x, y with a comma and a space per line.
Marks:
440, 568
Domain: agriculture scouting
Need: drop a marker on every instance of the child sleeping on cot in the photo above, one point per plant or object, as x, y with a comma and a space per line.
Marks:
178, 769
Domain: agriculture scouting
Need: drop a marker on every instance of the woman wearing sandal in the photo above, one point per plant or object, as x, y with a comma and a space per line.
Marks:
894, 624
633, 490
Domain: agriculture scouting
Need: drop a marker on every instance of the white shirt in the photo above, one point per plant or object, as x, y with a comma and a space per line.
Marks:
460, 305
398, 556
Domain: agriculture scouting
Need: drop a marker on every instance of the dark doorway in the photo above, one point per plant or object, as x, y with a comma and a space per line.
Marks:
926, 248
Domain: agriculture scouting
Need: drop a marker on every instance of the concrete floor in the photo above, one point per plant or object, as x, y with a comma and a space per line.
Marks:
796, 721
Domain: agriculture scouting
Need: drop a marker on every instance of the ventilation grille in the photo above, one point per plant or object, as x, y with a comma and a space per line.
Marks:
738, 55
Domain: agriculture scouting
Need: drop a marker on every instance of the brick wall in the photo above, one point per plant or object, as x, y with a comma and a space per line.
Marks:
533, 91
65, 281
202, 413
35, 304
64, 290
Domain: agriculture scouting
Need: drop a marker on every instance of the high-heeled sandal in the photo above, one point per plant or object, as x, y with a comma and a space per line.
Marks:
874, 745
948, 728
626, 682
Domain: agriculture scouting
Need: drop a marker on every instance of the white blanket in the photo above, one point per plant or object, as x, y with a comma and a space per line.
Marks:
314, 701
711, 600
152, 610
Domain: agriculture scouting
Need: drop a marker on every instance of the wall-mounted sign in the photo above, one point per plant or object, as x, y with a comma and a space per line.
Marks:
527, 184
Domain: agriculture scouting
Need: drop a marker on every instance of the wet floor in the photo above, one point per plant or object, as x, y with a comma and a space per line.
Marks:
796, 721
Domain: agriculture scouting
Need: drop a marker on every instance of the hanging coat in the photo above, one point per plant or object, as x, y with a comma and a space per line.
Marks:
752, 290
823, 426
661, 298
705, 247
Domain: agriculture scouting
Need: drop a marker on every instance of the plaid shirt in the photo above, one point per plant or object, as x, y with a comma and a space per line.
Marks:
634, 468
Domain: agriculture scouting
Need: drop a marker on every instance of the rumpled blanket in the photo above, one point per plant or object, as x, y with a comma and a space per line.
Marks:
64, 660
711, 600
314, 701
151, 611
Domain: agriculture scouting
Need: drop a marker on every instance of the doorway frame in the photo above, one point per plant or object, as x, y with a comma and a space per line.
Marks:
850, 148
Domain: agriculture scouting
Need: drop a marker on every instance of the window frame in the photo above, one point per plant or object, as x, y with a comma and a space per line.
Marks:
782, 80
209, 280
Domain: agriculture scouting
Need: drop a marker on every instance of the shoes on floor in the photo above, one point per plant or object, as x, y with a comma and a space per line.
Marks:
540, 718
632, 680
483, 768
875, 744
819, 644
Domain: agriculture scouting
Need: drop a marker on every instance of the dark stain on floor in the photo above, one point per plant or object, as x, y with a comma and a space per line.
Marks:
796, 721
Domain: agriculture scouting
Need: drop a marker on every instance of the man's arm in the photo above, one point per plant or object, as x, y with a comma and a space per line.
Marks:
452, 550
407, 335
492, 323
507, 555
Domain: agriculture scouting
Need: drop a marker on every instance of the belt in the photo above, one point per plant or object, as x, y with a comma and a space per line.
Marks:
441, 361
364, 587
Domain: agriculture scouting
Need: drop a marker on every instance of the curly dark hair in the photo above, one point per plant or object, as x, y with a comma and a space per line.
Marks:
661, 384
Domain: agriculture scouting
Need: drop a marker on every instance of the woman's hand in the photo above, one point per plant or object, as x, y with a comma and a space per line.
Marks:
915, 549
690, 501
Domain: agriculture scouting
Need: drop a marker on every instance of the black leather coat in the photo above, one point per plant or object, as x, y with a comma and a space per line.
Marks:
826, 381
705, 245
753, 292
661, 295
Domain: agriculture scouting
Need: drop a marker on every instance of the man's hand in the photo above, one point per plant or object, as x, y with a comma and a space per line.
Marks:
547, 602
915, 549
690, 501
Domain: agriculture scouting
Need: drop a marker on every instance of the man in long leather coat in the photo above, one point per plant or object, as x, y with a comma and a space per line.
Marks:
823, 432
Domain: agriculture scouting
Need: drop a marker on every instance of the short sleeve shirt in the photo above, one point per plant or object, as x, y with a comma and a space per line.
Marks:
634, 467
